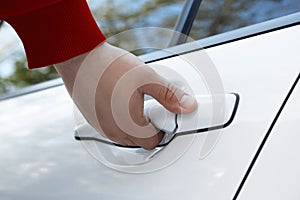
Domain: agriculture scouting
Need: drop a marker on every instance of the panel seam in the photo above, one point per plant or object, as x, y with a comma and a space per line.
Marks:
261, 146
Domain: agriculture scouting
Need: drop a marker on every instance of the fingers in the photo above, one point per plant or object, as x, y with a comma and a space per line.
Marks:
169, 95
118, 126
146, 139
114, 89
124, 139
149, 143
136, 110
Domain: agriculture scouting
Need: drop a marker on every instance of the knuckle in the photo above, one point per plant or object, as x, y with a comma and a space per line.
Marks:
149, 143
171, 92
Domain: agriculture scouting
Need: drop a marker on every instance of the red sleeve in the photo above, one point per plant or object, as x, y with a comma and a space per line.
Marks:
54, 30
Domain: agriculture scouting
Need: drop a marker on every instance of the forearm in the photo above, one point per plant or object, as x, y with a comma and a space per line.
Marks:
56, 32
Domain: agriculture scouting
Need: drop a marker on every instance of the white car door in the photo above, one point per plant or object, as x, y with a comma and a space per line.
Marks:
261, 69
41, 159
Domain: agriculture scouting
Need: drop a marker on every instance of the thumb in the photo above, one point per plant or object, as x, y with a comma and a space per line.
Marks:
170, 96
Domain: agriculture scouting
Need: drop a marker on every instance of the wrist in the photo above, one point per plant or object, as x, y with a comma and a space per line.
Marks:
68, 70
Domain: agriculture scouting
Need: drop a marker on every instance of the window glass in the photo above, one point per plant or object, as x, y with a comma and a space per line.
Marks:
115, 16
219, 16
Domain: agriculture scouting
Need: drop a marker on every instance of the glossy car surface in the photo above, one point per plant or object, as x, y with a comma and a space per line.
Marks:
254, 158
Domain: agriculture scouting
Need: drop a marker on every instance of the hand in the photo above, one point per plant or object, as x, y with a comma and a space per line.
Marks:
108, 86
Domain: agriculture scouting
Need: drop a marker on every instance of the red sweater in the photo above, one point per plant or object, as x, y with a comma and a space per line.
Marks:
52, 31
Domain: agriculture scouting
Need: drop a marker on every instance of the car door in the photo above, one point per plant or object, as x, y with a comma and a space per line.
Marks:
41, 159
276, 170
204, 169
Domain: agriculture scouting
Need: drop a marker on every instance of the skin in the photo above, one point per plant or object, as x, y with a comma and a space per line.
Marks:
118, 81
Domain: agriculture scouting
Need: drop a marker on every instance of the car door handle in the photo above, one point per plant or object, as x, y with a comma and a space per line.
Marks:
213, 112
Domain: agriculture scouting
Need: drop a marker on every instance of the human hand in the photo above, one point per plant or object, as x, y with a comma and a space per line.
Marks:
108, 86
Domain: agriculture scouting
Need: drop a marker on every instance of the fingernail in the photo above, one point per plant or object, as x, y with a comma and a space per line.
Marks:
187, 101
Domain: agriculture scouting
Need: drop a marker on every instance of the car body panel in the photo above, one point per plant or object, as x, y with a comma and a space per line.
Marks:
40, 158
276, 174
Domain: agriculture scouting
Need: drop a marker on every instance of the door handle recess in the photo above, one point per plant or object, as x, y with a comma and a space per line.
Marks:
213, 112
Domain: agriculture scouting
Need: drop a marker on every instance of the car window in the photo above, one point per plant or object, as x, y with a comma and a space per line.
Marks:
115, 16
219, 16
